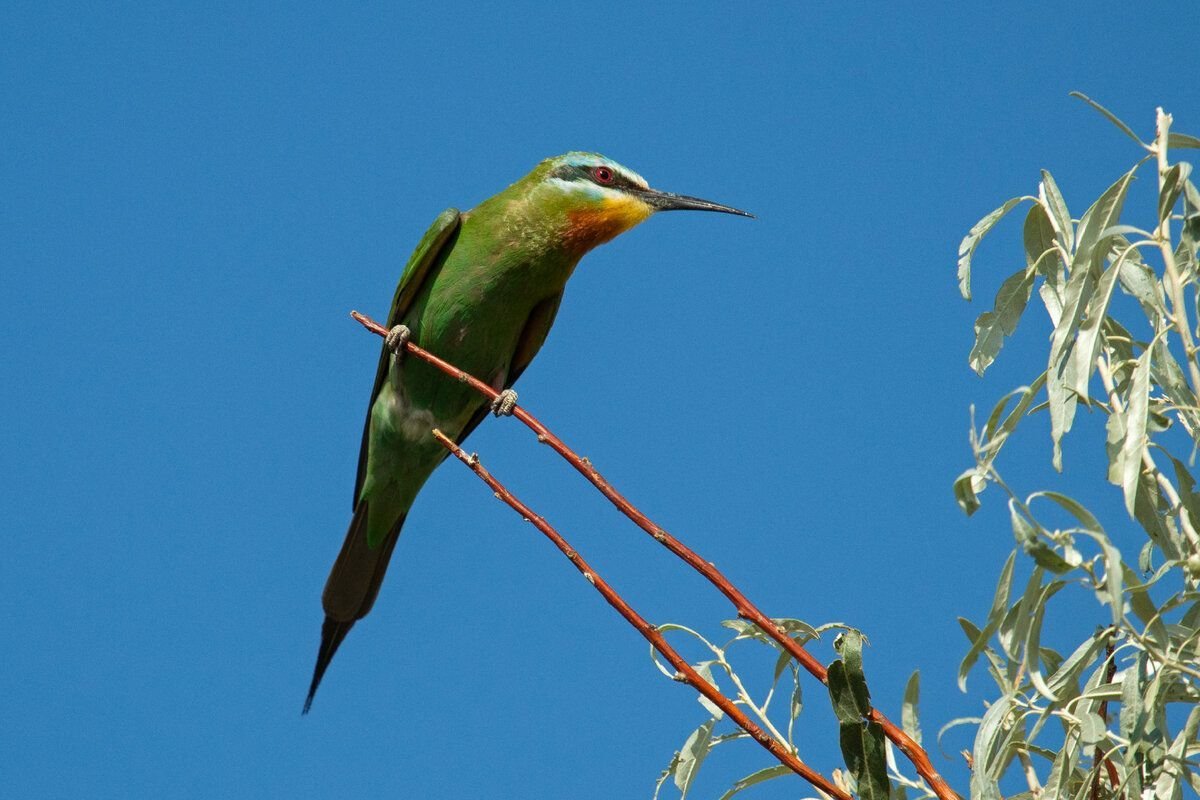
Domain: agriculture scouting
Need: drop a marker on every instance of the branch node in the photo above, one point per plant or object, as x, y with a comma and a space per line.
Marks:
590, 578
660, 535
679, 677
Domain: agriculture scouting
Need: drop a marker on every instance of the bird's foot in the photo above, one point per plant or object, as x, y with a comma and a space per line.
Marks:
504, 403
397, 338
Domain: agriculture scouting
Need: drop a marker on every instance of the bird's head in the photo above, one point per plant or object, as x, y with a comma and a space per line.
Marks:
593, 198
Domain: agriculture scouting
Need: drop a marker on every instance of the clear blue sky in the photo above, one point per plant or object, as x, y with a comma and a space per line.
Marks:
191, 200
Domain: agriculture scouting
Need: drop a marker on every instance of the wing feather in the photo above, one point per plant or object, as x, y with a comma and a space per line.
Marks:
431, 252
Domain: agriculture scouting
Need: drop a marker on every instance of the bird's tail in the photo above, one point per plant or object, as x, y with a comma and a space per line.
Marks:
351, 589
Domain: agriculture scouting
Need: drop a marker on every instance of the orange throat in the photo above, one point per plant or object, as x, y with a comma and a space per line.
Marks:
590, 227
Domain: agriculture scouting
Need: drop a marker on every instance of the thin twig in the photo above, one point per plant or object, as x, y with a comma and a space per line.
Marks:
745, 609
685, 670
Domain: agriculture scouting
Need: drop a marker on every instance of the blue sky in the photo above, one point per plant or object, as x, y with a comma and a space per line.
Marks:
193, 199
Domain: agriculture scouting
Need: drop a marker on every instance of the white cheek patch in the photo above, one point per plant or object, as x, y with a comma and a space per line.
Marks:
592, 191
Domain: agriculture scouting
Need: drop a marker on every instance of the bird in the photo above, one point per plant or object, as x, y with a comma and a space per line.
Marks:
481, 290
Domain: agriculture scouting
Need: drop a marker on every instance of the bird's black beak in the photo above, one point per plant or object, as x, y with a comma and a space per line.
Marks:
666, 201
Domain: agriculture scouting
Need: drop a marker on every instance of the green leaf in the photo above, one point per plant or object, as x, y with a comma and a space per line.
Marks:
849, 645
992, 326
1067, 675
864, 752
1094, 227
797, 702
692, 755
1114, 429
991, 745
1086, 519
1187, 490
1092, 728
1150, 510
1113, 577
847, 684
1175, 766
1139, 281
1087, 345
1110, 116
966, 487
1182, 140
755, 778
997, 432
1014, 629
1058, 783
666, 773
1137, 408
1041, 236
1027, 536
910, 711
1033, 652
1145, 609
841, 695
954, 723
704, 670
1172, 186
1081, 284
999, 606
966, 249
1057, 207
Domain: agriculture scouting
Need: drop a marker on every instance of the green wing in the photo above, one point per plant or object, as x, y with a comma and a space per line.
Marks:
533, 335
431, 250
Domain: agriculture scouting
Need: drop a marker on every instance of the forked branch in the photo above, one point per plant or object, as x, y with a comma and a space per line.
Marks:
745, 609
684, 670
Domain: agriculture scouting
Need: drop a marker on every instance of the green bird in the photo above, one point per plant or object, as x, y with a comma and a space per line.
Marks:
481, 291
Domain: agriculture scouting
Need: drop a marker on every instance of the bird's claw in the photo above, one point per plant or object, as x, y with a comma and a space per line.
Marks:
397, 338
504, 403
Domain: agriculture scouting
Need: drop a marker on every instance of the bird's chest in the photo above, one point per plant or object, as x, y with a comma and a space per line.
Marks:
476, 313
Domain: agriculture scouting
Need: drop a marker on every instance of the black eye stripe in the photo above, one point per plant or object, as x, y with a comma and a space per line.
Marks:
575, 172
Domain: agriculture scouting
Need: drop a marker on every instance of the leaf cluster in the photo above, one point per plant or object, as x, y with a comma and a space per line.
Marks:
871, 770
1050, 722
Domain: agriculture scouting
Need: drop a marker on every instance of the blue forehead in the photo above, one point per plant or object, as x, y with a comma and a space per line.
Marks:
582, 159
579, 158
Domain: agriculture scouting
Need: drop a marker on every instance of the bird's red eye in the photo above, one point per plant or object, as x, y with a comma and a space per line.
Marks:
603, 175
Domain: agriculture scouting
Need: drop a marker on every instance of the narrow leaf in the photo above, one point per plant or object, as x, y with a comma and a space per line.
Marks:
1059, 215
692, 755
1137, 408
966, 249
992, 326
1182, 140
756, 777
1087, 346
1172, 186
910, 711
966, 488
840, 694
1110, 116
864, 752
999, 606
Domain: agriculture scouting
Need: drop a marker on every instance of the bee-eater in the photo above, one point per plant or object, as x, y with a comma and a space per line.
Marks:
481, 291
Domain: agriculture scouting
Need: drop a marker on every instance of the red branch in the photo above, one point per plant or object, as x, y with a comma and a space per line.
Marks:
652, 634
1100, 756
745, 609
